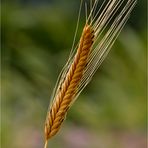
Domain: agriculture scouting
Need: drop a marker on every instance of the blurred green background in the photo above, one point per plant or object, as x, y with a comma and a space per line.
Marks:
36, 39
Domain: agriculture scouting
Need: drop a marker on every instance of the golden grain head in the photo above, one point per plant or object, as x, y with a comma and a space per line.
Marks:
69, 86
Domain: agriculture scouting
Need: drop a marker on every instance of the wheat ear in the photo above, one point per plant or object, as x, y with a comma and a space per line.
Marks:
68, 88
99, 34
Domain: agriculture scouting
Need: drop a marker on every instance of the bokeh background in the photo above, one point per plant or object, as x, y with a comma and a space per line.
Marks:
36, 39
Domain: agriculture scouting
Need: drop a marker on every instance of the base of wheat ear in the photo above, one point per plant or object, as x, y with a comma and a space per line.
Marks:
100, 31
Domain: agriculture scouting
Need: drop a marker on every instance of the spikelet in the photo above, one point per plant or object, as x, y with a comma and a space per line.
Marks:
100, 32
